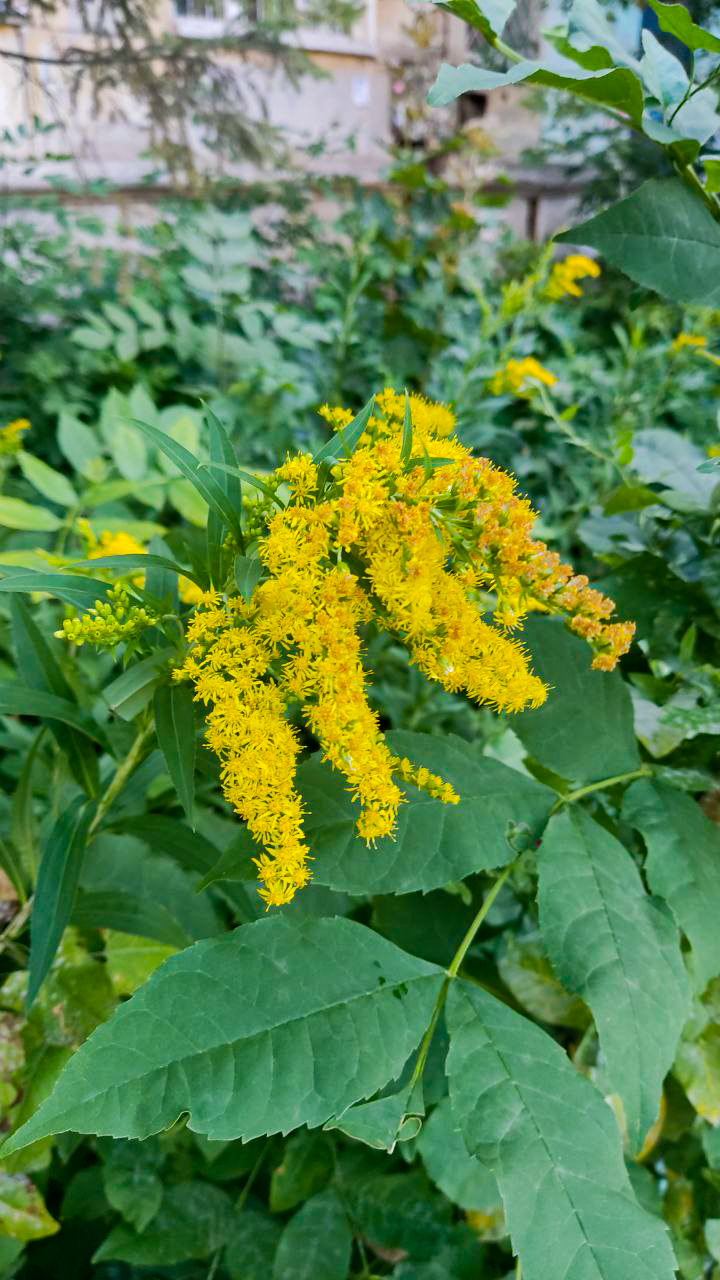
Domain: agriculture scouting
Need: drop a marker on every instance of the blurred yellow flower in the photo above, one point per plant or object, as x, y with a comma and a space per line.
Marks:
521, 378
685, 340
564, 276
11, 436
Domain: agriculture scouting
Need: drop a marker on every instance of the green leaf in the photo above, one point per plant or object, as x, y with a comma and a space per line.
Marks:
131, 959
407, 435
346, 440
221, 450
37, 665
132, 1188
663, 237
131, 691
175, 727
18, 700
194, 1220
401, 1211
676, 21
170, 836
50, 483
611, 944
251, 1248
125, 565
207, 486
435, 842
126, 912
248, 572
490, 19
385, 1121
74, 589
56, 887
16, 514
617, 87
682, 866
553, 1144
630, 498
527, 973
316, 1244
307, 1166
248, 1065
23, 1215
584, 731
459, 1176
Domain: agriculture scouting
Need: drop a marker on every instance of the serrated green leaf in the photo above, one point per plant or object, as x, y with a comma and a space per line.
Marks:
307, 1166
56, 887
52, 484
16, 514
459, 1176
40, 670
682, 866
584, 731
77, 590
553, 1144
175, 727
663, 237
316, 1244
611, 944
435, 842
248, 1066
194, 1220
206, 485
385, 1121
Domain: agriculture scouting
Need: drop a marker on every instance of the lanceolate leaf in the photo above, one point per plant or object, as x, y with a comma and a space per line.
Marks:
662, 236
39, 669
18, 700
435, 842
273, 1026
175, 726
563, 734
207, 486
613, 945
345, 441
73, 588
127, 565
682, 866
56, 887
221, 450
553, 1144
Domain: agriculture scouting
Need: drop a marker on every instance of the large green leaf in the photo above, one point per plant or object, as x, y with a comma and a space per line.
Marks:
663, 237
175, 728
683, 865
553, 1144
616, 87
316, 1243
585, 730
435, 842
39, 668
459, 1176
610, 942
194, 1220
676, 20
273, 1026
56, 888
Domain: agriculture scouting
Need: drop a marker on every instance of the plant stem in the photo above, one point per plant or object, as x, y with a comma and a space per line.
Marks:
518, 1271
16, 926
572, 796
453, 972
120, 777
240, 1202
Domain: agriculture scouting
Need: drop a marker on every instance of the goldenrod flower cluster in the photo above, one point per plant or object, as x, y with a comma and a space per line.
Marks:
111, 622
521, 378
564, 276
11, 437
408, 530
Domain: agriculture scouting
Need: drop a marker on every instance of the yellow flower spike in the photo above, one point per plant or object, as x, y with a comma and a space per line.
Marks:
411, 547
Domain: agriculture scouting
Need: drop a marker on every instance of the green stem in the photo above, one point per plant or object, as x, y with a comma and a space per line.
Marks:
453, 971
16, 926
572, 796
240, 1202
120, 777
518, 1271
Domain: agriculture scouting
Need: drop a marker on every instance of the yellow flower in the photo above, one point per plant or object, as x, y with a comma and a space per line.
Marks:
565, 275
692, 340
521, 378
404, 537
11, 436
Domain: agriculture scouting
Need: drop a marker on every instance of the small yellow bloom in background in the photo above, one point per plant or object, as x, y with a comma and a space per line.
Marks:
521, 378
714, 451
685, 340
564, 276
125, 544
11, 437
